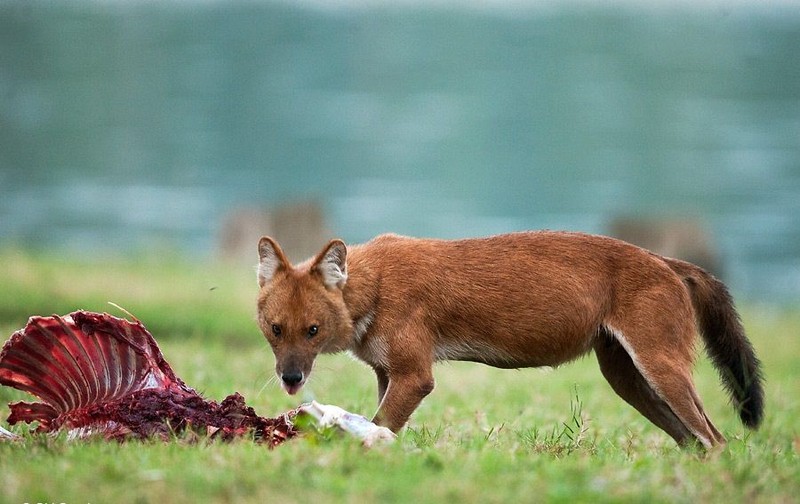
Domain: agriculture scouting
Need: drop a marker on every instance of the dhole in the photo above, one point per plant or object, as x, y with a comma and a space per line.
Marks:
511, 301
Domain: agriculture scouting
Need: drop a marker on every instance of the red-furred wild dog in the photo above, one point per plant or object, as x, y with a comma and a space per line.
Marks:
511, 301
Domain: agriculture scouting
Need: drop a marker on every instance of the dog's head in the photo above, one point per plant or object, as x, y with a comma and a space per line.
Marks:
301, 309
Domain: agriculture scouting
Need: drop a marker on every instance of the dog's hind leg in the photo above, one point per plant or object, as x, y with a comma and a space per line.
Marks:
674, 406
618, 368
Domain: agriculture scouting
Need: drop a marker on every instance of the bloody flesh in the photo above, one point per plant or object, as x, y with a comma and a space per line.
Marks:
99, 374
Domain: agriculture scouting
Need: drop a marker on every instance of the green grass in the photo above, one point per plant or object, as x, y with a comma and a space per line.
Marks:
484, 435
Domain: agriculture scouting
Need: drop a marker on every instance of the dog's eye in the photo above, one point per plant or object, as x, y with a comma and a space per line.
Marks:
312, 331
276, 329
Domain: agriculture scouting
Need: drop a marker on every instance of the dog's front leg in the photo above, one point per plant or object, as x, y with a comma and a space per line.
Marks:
403, 395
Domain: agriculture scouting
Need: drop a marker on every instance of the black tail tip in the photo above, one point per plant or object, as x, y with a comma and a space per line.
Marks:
751, 411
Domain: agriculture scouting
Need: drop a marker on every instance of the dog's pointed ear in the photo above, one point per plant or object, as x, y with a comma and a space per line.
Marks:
331, 264
270, 259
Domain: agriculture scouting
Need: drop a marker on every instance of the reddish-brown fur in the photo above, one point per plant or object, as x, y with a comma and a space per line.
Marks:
517, 300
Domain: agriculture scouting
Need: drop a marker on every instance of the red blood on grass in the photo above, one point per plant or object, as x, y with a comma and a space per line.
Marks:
99, 374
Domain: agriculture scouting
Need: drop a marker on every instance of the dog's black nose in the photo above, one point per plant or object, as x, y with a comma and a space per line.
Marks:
292, 378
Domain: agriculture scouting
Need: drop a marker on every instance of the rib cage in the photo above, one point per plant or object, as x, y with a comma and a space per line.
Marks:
98, 374
83, 359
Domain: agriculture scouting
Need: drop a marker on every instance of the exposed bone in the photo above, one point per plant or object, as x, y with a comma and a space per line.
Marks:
5, 434
357, 425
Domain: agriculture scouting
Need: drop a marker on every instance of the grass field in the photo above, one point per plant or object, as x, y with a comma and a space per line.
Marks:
484, 435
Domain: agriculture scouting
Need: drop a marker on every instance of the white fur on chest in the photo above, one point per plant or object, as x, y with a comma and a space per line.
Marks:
361, 326
373, 350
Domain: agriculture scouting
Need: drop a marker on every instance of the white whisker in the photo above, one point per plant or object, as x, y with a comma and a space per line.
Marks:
269, 381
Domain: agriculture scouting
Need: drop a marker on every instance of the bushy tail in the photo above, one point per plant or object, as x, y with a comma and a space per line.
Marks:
727, 346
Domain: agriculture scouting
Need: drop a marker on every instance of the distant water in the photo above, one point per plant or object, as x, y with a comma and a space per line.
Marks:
128, 125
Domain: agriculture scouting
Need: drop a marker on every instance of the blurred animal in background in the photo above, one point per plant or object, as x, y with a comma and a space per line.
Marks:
300, 227
682, 238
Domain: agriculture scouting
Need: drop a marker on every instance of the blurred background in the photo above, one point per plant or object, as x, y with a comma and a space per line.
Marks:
138, 127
